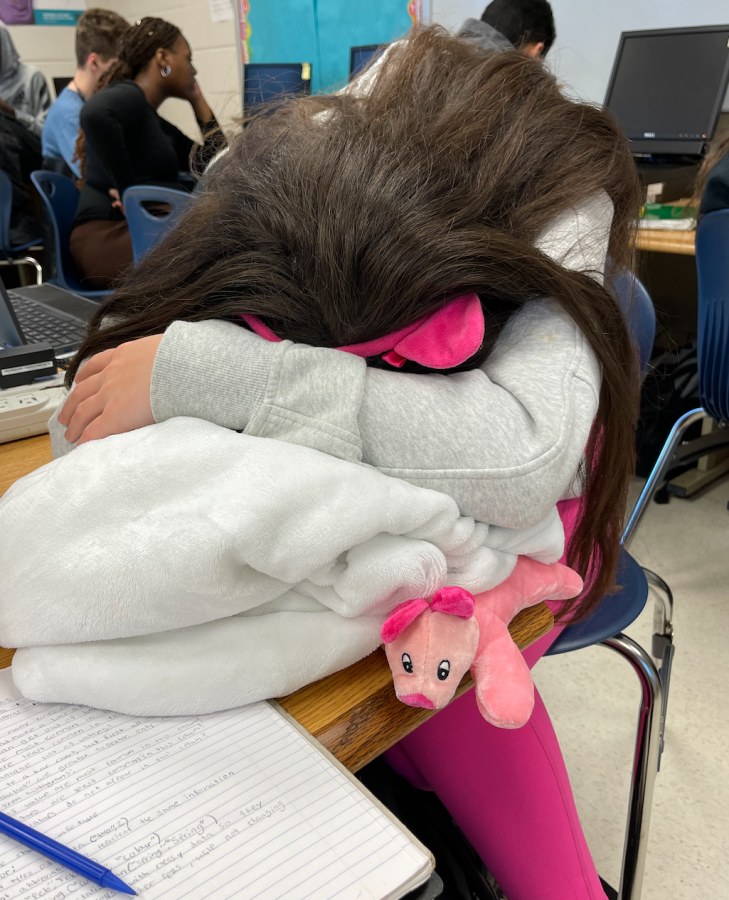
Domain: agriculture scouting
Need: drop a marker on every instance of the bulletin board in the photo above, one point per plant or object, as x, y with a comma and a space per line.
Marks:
321, 32
41, 12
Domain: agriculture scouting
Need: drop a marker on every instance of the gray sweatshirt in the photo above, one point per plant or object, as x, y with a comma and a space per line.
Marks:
486, 36
22, 86
505, 440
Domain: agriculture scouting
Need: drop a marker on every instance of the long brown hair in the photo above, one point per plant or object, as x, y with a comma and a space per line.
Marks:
136, 46
339, 219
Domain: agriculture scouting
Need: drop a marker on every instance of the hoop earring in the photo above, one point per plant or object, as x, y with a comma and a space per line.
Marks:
166, 71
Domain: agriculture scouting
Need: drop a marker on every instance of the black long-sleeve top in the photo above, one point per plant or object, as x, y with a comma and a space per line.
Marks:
128, 143
716, 191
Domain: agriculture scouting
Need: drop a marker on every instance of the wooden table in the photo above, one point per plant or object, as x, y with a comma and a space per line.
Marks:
664, 241
353, 713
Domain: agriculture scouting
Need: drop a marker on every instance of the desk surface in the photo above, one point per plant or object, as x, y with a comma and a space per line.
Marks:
681, 242
353, 713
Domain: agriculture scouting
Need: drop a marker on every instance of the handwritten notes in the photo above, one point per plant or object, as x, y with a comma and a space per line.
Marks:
236, 804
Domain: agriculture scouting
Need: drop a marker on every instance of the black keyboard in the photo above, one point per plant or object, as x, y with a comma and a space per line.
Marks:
41, 326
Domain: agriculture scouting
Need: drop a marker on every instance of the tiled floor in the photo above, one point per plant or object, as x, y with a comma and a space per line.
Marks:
593, 695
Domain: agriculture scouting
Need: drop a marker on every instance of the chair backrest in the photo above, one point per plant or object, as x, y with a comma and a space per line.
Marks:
712, 266
637, 307
147, 229
60, 197
6, 205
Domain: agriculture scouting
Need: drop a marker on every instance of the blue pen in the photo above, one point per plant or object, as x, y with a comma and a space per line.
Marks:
63, 855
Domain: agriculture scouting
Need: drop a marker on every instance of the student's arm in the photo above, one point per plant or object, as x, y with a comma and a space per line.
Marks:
504, 440
213, 138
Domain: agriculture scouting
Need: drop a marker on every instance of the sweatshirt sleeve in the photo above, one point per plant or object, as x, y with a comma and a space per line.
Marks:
40, 103
505, 440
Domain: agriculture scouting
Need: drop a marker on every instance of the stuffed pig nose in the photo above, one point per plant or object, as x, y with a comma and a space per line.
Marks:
417, 700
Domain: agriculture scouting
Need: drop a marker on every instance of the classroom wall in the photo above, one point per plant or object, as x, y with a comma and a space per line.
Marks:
588, 31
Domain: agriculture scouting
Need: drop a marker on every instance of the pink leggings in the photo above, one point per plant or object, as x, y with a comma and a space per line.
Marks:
509, 792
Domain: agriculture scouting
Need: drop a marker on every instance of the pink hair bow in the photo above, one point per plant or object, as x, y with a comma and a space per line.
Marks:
442, 340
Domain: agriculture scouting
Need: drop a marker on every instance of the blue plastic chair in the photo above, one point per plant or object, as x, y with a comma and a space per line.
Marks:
619, 610
8, 251
712, 266
638, 309
146, 229
60, 196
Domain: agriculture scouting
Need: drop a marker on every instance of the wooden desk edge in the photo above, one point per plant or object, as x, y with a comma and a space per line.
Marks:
357, 725
659, 241
355, 714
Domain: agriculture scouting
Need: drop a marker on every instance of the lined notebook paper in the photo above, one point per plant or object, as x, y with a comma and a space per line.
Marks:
238, 804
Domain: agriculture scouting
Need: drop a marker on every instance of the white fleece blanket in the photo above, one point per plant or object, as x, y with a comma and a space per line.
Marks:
184, 568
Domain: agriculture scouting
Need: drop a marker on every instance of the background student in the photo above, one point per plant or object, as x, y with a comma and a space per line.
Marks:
124, 142
97, 33
19, 156
712, 183
23, 90
525, 25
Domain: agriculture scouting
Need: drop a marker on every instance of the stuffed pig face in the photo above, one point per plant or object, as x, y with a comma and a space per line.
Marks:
430, 645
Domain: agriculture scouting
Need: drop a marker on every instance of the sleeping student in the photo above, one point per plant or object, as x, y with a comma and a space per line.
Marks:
343, 221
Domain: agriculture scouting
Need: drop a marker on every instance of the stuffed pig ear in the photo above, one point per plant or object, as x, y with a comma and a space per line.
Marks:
454, 600
399, 619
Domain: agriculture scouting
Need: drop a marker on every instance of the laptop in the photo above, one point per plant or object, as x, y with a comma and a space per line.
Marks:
60, 83
44, 314
266, 82
361, 57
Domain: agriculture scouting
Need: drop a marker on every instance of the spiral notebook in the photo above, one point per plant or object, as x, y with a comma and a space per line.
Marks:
239, 804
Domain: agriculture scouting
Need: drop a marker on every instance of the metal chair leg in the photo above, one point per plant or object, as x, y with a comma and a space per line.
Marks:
660, 470
645, 764
665, 596
662, 647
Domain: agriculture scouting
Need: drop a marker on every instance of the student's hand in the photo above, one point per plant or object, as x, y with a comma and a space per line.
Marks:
112, 393
203, 112
7, 109
117, 204
194, 93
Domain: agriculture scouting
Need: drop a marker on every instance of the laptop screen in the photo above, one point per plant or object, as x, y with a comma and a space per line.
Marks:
668, 85
264, 82
10, 333
361, 57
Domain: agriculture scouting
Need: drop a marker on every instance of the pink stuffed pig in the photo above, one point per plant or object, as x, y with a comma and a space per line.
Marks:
430, 645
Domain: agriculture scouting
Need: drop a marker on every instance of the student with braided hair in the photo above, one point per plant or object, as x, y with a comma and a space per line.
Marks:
123, 141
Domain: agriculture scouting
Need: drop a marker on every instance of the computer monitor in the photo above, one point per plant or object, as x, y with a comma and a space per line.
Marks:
60, 83
667, 87
263, 82
361, 57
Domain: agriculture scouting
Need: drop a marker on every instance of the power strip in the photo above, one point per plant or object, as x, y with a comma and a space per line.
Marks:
26, 409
